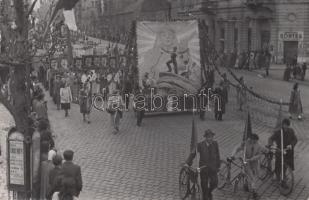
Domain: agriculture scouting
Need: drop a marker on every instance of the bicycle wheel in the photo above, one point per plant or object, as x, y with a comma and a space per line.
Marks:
286, 186
264, 168
241, 180
222, 174
196, 192
184, 185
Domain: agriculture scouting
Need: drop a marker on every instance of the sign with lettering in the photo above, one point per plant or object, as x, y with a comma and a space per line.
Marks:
291, 36
16, 160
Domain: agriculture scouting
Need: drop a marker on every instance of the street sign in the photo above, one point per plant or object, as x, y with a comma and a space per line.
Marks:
16, 160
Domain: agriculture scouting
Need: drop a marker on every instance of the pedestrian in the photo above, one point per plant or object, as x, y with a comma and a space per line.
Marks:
39, 106
73, 171
289, 141
56, 93
139, 106
225, 84
241, 94
209, 157
253, 152
46, 140
66, 191
219, 103
55, 177
115, 106
295, 107
287, 73
126, 93
46, 167
85, 102
304, 69
66, 98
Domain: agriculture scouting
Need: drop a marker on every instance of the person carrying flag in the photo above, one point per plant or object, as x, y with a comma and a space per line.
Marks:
209, 157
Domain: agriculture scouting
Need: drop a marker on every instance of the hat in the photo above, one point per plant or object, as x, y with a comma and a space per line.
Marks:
208, 132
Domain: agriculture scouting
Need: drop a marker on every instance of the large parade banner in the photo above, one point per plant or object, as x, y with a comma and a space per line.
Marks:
170, 53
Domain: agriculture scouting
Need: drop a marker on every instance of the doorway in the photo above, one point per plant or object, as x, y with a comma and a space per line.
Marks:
290, 49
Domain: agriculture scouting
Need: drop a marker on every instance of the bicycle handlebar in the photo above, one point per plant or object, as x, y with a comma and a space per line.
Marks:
275, 149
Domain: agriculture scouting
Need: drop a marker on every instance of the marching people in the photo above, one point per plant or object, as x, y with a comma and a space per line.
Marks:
71, 171
115, 107
85, 102
241, 94
304, 69
209, 157
295, 107
66, 98
139, 106
253, 152
225, 84
56, 93
289, 141
219, 103
66, 191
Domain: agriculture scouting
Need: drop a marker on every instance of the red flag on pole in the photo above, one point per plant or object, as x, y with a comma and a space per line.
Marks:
248, 128
193, 143
279, 119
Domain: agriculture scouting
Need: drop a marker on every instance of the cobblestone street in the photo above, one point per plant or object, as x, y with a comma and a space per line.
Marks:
144, 162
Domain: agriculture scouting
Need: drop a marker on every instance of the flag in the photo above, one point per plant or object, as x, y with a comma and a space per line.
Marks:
193, 143
279, 119
69, 19
248, 128
61, 4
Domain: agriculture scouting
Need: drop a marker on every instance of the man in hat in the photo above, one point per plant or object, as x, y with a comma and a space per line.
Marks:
289, 142
209, 157
253, 152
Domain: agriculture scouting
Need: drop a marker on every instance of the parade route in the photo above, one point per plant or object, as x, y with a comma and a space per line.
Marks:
144, 162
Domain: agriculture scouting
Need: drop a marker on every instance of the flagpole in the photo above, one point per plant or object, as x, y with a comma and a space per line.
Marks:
281, 147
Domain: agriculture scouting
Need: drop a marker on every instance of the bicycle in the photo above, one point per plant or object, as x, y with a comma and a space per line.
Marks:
224, 174
188, 183
286, 182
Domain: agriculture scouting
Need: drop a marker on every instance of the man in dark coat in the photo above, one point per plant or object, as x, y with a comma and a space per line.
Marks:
71, 170
289, 142
219, 103
209, 157
304, 69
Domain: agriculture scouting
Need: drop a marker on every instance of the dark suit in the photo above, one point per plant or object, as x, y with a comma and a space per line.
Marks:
54, 181
71, 170
289, 138
210, 157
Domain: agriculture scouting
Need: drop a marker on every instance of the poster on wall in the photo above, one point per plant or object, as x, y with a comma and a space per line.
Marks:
169, 52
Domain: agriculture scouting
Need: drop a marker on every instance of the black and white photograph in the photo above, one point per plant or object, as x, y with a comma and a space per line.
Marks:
154, 100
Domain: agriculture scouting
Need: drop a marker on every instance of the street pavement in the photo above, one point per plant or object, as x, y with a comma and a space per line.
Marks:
144, 162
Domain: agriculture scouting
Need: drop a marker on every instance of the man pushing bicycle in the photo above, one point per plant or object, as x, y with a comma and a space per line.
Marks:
252, 152
287, 137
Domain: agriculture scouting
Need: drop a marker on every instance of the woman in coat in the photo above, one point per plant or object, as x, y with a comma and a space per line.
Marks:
85, 102
295, 107
66, 98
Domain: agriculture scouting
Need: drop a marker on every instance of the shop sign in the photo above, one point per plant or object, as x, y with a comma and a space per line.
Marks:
291, 36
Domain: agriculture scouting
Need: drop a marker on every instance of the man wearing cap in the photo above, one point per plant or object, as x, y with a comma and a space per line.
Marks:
289, 142
209, 157
253, 152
